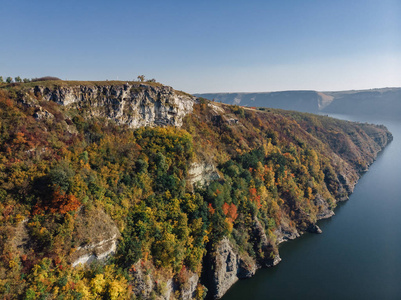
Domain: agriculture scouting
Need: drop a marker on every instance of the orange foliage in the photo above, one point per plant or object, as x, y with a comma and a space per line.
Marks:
59, 203
233, 211
226, 207
252, 191
230, 210
64, 203
19, 138
211, 209
254, 197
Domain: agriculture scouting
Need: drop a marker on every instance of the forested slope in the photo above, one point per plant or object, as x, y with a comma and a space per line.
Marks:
95, 205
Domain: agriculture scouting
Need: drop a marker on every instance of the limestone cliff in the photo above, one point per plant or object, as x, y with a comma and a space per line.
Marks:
228, 266
202, 173
135, 105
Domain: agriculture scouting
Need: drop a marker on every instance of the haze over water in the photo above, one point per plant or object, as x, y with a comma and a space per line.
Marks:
358, 254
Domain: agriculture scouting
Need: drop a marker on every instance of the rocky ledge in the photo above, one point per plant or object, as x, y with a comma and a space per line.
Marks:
135, 105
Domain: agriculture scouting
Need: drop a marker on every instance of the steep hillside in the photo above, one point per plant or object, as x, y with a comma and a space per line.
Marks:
378, 102
130, 190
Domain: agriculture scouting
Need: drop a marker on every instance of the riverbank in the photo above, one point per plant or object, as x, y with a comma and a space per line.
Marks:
357, 250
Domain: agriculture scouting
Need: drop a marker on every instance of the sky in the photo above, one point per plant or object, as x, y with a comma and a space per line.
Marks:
207, 46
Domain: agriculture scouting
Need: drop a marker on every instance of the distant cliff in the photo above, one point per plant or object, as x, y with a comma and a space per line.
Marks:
379, 102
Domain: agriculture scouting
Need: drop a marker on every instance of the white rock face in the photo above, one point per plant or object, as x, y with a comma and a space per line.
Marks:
202, 173
97, 236
134, 105
97, 251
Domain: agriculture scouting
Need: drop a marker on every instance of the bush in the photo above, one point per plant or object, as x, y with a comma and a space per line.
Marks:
46, 78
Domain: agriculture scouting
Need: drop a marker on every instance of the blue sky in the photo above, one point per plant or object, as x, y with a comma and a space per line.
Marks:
207, 46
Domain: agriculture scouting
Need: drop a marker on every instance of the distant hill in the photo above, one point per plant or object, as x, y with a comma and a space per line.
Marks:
381, 102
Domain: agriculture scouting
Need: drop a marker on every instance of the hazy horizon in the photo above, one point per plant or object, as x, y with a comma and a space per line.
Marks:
304, 90
208, 46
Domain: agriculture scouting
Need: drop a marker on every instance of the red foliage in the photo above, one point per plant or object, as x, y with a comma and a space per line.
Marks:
254, 197
59, 204
230, 210
211, 209
64, 203
226, 207
252, 191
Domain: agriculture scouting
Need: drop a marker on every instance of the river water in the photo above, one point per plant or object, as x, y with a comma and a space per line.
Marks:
358, 256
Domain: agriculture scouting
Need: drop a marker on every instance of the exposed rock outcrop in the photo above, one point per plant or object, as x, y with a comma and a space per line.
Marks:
144, 282
188, 289
284, 233
269, 256
228, 267
148, 283
202, 173
41, 113
135, 105
96, 234
313, 228
325, 211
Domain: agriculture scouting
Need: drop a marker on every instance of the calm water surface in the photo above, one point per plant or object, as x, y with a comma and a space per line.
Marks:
358, 256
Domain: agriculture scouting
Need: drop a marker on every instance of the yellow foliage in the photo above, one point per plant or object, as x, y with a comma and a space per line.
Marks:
82, 288
229, 224
98, 284
117, 289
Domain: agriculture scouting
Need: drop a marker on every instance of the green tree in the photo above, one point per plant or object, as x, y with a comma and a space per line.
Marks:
9, 80
1, 79
141, 78
26, 80
17, 79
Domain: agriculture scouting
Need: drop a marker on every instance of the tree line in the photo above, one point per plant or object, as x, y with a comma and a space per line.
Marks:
15, 79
